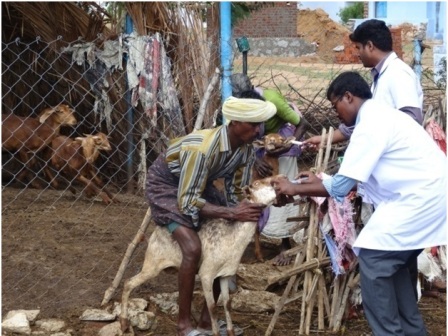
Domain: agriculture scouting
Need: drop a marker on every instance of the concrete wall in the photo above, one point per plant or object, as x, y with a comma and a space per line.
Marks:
277, 46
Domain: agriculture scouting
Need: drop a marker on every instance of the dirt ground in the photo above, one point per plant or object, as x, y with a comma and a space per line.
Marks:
60, 253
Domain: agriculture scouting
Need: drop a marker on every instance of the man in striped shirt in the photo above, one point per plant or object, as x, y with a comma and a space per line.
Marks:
181, 193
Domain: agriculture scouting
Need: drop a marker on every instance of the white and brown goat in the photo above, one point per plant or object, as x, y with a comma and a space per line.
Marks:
29, 136
270, 142
75, 159
223, 244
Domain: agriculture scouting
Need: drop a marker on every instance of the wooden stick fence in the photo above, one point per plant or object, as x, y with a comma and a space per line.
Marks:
319, 291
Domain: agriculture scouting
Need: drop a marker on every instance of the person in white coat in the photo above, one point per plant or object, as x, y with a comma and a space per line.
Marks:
393, 83
404, 174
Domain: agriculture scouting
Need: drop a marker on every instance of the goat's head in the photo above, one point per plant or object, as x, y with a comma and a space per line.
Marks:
101, 141
272, 141
61, 114
93, 144
261, 191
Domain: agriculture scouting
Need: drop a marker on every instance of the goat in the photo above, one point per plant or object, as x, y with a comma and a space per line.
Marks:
223, 245
269, 143
30, 135
76, 159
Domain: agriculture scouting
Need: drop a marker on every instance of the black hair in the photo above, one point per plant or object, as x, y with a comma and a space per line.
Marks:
375, 31
251, 94
352, 82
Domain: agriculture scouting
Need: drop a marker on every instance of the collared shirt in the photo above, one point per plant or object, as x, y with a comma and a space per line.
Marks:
404, 174
396, 85
200, 158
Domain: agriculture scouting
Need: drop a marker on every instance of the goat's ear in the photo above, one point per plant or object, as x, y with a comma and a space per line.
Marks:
44, 116
259, 143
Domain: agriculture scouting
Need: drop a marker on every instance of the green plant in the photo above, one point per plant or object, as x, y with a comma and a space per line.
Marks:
354, 11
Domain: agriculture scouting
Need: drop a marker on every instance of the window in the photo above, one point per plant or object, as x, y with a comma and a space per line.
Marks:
381, 9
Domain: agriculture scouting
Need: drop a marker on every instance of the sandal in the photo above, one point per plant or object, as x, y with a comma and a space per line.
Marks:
222, 329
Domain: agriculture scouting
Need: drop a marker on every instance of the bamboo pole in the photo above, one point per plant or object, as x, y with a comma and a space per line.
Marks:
124, 263
343, 303
328, 149
281, 302
333, 297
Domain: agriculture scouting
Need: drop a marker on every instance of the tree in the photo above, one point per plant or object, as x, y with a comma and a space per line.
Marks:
354, 11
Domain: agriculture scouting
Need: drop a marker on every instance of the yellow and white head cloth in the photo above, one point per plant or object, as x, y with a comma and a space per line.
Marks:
247, 110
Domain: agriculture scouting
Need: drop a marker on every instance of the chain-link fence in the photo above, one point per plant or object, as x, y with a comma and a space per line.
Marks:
63, 241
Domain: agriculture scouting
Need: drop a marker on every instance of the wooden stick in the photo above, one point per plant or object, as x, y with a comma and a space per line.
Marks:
303, 308
325, 296
201, 112
321, 152
124, 263
281, 302
337, 324
328, 149
334, 300
309, 314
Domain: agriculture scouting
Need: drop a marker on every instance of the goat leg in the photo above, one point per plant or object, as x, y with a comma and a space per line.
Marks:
51, 177
207, 288
100, 183
258, 253
92, 185
224, 283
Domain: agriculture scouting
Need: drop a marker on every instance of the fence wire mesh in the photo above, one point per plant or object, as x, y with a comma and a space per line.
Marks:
135, 91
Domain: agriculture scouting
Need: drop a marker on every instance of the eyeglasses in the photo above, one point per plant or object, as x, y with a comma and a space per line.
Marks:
335, 104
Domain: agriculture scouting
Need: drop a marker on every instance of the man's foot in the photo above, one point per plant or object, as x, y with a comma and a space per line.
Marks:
282, 260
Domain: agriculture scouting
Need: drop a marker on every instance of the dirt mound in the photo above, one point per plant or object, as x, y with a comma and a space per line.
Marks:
316, 26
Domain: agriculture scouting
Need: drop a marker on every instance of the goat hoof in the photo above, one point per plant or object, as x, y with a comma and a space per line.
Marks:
124, 324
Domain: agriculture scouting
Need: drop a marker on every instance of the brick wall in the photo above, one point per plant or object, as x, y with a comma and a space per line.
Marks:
278, 20
350, 55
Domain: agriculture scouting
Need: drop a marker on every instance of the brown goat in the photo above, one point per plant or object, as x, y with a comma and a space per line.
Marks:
28, 136
75, 159
269, 142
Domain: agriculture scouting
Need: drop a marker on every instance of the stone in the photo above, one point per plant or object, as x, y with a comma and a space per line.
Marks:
51, 325
17, 323
97, 315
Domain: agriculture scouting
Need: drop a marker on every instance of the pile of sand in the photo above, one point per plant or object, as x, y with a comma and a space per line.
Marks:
316, 26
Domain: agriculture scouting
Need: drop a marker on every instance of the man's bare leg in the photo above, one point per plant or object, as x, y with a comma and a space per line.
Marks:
190, 246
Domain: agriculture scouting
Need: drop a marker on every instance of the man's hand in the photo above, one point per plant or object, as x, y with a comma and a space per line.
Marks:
247, 212
283, 186
312, 143
263, 168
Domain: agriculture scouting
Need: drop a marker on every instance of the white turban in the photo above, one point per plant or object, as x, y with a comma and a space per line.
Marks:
248, 110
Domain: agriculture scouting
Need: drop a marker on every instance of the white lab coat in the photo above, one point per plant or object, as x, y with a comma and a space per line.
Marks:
397, 85
404, 174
